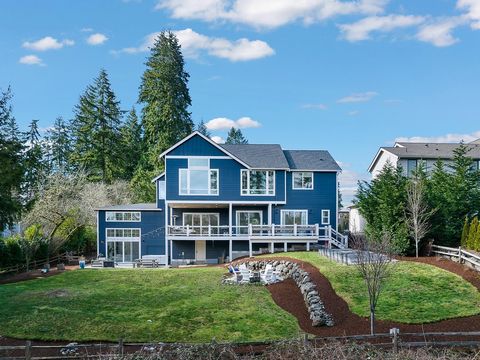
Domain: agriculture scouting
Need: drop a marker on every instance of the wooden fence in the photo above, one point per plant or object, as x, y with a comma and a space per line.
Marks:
36, 264
393, 340
459, 254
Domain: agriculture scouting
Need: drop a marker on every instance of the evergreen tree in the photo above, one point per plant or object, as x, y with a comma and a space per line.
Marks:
235, 136
11, 160
202, 129
59, 146
472, 233
476, 246
131, 144
465, 229
96, 132
165, 117
382, 203
34, 164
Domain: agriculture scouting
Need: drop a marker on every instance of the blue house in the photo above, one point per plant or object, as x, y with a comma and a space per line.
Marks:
217, 202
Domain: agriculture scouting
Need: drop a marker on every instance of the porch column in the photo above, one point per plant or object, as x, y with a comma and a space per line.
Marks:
269, 214
285, 246
230, 223
171, 250
308, 245
272, 247
250, 248
230, 249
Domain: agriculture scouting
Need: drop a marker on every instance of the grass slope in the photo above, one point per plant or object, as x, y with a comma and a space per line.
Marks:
187, 305
416, 293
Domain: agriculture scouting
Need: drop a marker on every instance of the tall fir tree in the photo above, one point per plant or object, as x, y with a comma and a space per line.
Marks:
131, 144
235, 136
11, 160
165, 117
472, 233
35, 169
466, 227
59, 146
96, 131
202, 129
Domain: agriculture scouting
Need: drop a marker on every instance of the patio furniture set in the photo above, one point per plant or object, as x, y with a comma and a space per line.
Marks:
242, 275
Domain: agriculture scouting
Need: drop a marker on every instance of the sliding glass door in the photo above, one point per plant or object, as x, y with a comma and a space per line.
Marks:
244, 218
200, 222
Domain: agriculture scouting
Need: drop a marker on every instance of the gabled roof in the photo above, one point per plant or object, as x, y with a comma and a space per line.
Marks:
313, 160
259, 156
158, 177
130, 207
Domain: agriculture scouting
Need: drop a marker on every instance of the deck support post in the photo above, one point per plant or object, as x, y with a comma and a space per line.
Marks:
250, 248
272, 247
285, 246
230, 250
308, 245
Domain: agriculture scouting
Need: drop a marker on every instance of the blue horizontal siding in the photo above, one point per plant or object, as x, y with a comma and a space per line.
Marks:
196, 146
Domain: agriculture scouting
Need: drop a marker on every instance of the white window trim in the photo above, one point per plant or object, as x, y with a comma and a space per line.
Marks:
248, 182
238, 212
321, 217
200, 213
188, 193
162, 195
123, 240
294, 210
123, 212
302, 188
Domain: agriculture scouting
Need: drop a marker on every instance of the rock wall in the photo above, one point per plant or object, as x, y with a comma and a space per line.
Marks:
289, 269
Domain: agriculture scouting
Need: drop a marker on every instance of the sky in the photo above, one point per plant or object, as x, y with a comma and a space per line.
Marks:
346, 76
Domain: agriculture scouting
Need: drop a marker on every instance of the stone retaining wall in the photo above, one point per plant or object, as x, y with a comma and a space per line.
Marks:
289, 269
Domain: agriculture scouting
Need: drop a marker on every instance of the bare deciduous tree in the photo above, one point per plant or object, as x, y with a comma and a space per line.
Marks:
418, 213
71, 198
375, 264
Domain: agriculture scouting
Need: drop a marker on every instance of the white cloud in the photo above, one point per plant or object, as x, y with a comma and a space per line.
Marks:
31, 60
439, 33
97, 39
353, 113
448, 138
473, 11
193, 44
348, 179
315, 106
218, 139
361, 29
358, 97
268, 13
47, 43
86, 29
223, 123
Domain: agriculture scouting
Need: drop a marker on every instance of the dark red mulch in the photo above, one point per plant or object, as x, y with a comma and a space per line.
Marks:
35, 274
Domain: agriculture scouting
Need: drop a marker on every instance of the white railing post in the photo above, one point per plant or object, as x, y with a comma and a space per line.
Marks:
273, 229
330, 231
294, 229
209, 230
250, 231
317, 231
188, 230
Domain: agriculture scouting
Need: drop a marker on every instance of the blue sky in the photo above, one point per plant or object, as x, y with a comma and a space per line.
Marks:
347, 76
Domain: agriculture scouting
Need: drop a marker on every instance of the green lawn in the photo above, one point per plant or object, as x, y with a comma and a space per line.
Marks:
416, 293
185, 305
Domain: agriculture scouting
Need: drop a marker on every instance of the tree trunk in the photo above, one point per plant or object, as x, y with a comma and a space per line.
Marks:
416, 248
372, 321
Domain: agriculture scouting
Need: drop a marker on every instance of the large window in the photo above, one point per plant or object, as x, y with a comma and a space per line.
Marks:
200, 223
258, 182
123, 245
124, 216
302, 181
294, 217
198, 179
247, 217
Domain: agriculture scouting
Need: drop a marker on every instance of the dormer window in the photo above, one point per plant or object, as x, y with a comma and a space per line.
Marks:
198, 179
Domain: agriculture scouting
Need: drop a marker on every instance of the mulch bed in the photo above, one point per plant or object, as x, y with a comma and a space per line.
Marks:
288, 296
34, 274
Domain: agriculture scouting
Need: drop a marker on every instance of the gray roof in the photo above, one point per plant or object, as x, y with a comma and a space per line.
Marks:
129, 207
316, 160
271, 156
259, 156
431, 150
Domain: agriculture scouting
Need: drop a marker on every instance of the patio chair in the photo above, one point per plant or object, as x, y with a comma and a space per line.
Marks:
267, 275
243, 276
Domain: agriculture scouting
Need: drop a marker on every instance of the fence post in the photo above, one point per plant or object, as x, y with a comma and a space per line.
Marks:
28, 350
460, 254
120, 347
395, 332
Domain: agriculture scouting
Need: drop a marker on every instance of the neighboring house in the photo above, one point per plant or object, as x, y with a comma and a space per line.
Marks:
410, 155
356, 222
219, 202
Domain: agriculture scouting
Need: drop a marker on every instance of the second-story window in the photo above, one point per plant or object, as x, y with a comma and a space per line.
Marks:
258, 182
198, 179
302, 180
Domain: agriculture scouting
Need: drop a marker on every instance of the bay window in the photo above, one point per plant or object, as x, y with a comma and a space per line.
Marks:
257, 182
